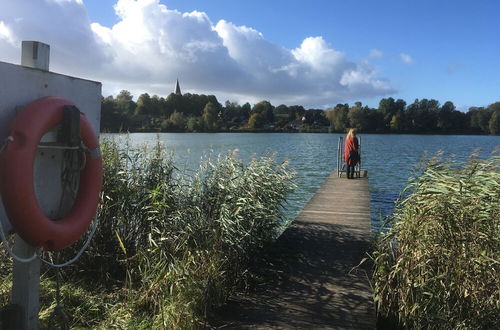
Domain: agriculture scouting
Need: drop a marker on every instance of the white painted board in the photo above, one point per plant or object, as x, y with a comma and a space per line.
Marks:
20, 86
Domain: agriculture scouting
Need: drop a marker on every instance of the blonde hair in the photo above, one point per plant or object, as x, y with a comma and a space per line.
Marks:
352, 133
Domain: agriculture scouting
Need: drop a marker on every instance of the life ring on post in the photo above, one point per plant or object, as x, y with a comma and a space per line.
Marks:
16, 178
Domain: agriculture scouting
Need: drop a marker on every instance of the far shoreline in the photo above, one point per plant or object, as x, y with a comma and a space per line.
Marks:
456, 133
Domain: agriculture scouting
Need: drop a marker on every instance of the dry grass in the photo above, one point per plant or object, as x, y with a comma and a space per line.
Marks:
438, 267
169, 247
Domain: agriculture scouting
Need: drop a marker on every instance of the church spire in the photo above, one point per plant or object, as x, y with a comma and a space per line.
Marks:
178, 88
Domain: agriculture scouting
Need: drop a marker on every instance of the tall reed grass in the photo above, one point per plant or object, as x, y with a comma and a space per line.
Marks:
170, 246
438, 267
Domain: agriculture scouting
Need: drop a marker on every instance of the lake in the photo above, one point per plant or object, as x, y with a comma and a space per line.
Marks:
389, 159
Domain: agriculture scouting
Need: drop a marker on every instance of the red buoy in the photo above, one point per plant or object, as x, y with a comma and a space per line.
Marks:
16, 178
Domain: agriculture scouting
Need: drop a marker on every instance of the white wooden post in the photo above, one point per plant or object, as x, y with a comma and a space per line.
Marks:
26, 284
36, 55
20, 86
26, 276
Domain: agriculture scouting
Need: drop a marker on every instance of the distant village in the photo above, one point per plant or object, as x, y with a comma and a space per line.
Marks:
203, 113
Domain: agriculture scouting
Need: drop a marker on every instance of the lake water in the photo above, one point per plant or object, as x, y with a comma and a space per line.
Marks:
389, 159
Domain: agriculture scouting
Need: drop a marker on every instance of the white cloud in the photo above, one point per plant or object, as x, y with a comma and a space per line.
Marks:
152, 45
64, 1
63, 24
5, 33
363, 80
407, 59
315, 53
376, 53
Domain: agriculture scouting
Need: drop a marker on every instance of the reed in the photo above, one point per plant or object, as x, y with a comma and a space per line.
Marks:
138, 184
231, 210
170, 246
438, 266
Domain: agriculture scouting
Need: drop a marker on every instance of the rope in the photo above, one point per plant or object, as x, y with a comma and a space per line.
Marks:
78, 255
58, 314
67, 179
8, 248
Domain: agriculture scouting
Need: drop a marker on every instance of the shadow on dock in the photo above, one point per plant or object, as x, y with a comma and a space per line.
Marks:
307, 281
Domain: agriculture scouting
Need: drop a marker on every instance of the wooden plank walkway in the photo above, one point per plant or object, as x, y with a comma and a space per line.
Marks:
309, 281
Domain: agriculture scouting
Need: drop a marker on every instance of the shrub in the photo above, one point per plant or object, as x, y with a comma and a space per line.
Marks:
225, 214
169, 246
438, 267
136, 183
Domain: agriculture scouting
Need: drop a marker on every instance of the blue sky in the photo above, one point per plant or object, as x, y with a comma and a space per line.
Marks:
447, 50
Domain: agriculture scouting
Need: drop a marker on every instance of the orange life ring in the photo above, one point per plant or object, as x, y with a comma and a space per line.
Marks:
16, 178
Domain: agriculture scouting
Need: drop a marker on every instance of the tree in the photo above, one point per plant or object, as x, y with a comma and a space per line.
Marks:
399, 122
257, 120
400, 105
232, 114
193, 104
494, 107
112, 119
209, 117
338, 117
296, 112
266, 109
445, 116
387, 107
144, 105
375, 120
195, 112
193, 124
316, 117
245, 110
172, 103
479, 119
494, 124
124, 103
422, 115
395, 123
358, 117
177, 122
281, 110
157, 105
281, 116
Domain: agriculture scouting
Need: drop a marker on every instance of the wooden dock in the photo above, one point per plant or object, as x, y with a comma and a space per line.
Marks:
309, 280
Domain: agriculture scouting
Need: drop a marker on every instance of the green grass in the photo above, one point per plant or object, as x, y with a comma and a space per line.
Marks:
438, 267
170, 247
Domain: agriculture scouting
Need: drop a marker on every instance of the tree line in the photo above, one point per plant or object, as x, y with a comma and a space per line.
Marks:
203, 113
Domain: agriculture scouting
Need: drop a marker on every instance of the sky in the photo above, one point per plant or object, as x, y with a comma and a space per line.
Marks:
314, 53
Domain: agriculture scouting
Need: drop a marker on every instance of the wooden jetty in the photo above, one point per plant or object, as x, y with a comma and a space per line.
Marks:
312, 278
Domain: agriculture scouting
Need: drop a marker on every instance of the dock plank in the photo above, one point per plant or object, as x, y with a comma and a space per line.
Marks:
312, 281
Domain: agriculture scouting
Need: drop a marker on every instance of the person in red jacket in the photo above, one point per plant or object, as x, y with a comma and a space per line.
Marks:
351, 153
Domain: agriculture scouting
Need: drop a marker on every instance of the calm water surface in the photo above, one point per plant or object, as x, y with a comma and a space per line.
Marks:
389, 159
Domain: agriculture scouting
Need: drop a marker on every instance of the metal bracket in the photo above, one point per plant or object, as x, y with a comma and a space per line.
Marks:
69, 134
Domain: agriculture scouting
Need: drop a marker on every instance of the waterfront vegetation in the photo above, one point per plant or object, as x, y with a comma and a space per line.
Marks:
170, 246
438, 267
202, 113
